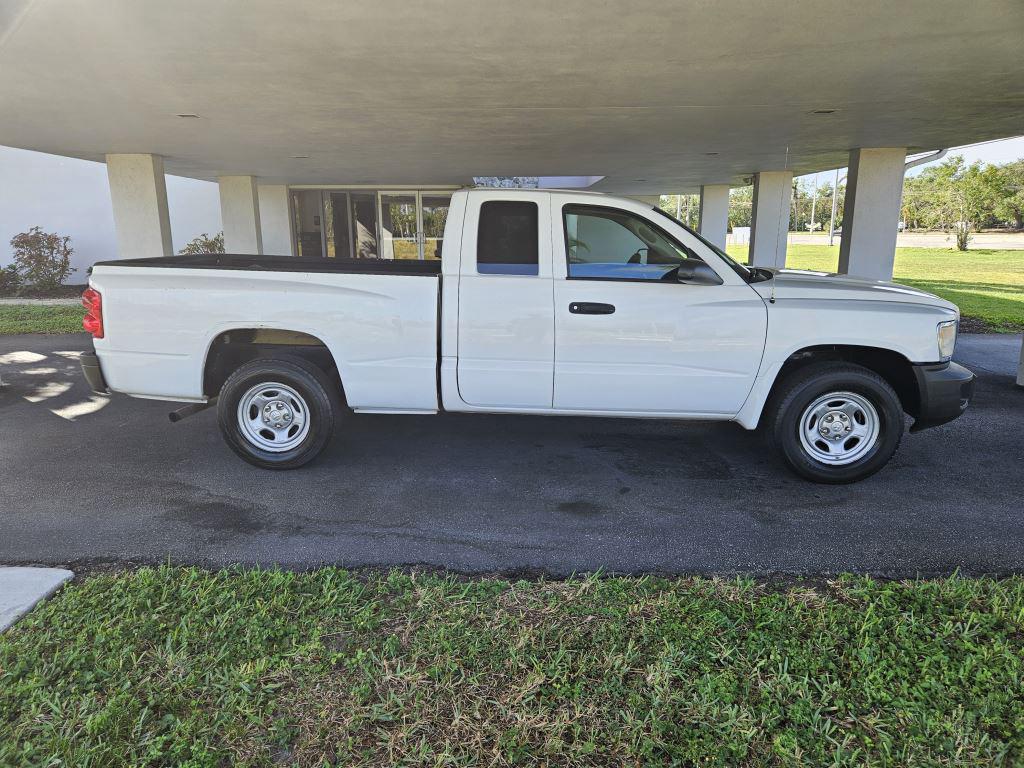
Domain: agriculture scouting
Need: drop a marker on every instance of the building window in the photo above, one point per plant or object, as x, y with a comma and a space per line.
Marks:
367, 224
507, 238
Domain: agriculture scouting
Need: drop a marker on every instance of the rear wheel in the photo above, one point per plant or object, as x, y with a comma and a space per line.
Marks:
835, 422
277, 414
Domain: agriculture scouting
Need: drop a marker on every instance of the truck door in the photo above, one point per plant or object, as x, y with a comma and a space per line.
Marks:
506, 344
629, 336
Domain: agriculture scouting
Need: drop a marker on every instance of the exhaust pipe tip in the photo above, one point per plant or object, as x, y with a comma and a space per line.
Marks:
190, 410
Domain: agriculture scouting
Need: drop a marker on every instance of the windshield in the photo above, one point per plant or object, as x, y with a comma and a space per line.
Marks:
738, 268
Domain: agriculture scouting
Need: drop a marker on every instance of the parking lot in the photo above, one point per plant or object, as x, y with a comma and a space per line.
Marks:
89, 480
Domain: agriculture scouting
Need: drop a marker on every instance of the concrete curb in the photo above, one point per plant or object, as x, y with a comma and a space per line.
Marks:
22, 588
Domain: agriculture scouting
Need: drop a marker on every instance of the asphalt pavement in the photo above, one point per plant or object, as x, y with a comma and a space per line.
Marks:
89, 481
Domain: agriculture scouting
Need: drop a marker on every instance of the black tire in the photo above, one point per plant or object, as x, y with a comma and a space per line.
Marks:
317, 401
783, 416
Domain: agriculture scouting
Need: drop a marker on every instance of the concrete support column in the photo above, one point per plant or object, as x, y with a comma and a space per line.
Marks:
138, 194
871, 213
773, 195
1020, 367
240, 214
714, 213
274, 223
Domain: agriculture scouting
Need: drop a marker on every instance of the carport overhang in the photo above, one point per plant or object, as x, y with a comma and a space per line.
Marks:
651, 97
655, 97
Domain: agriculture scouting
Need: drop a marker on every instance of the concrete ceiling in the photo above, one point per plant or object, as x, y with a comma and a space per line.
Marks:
655, 95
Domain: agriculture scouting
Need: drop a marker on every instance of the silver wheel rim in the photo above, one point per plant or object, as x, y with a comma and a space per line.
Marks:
273, 417
839, 428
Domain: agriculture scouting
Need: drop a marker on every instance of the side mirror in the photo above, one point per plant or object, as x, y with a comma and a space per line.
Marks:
696, 272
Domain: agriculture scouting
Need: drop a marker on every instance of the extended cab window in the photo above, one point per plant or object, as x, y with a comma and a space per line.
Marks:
611, 244
506, 243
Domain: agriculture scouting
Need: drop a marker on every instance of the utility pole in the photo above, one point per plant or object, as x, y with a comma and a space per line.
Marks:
832, 221
814, 202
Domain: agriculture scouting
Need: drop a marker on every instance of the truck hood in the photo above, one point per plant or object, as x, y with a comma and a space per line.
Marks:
804, 284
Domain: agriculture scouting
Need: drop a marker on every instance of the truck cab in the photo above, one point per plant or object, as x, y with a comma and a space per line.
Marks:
570, 303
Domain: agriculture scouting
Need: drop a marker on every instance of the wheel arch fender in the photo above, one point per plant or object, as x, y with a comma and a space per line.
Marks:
891, 364
229, 347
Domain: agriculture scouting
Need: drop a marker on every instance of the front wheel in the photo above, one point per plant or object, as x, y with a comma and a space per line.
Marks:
835, 422
277, 414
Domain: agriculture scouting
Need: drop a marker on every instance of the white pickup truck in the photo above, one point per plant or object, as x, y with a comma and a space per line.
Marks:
543, 303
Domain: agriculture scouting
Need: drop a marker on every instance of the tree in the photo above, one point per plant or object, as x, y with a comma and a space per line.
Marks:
954, 197
741, 201
10, 280
1009, 202
204, 244
916, 202
808, 202
687, 207
42, 259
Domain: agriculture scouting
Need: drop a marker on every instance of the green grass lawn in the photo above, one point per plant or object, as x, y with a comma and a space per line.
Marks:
185, 667
987, 285
20, 318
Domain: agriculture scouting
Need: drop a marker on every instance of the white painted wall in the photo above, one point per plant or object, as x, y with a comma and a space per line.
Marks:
72, 197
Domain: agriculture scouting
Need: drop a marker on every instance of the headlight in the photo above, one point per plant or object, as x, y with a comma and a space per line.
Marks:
947, 339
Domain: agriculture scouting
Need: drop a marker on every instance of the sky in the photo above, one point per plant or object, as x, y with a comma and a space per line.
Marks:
993, 152
998, 151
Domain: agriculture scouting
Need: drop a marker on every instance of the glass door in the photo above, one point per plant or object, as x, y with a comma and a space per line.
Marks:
307, 210
364, 225
434, 212
399, 226
337, 226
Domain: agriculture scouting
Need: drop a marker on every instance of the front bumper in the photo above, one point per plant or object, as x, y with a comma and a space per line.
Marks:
945, 391
93, 373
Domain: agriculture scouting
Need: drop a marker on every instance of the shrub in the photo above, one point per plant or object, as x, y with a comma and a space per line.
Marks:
204, 244
42, 259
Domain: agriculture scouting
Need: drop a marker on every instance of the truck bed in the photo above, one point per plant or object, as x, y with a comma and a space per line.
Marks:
378, 319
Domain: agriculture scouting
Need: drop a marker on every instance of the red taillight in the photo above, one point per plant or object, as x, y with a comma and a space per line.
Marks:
93, 320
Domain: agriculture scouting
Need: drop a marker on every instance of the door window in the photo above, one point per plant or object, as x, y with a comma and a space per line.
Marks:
507, 238
611, 244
